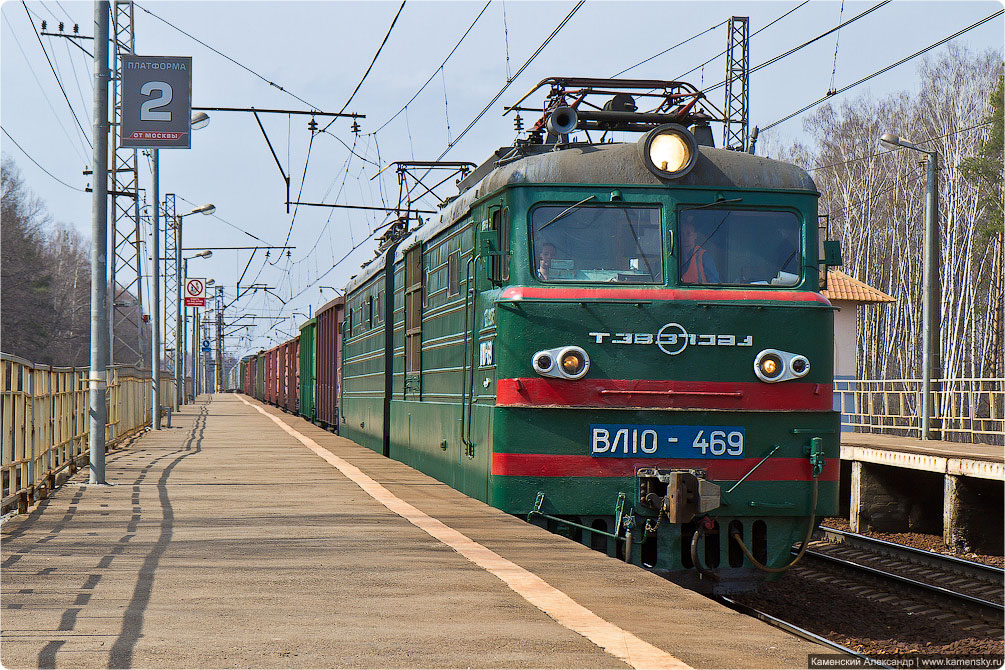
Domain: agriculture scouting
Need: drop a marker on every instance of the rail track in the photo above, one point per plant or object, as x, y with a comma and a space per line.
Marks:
796, 630
962, 586
874, 598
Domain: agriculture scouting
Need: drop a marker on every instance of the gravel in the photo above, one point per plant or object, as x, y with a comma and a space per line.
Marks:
868, 626
918, 541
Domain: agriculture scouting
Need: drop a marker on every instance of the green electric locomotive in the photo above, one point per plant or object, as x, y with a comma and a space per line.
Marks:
622, 341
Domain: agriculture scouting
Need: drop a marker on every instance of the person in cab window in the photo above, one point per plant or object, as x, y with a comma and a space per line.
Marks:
544, 260
696, 263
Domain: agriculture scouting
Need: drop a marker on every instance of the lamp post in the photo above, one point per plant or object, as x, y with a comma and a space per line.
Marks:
181, 343
179, 359
198, 120
932, 291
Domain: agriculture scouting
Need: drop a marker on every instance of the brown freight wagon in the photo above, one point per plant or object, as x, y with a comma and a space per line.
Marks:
281, 375
272, 376
329, 362
289, 375
250, 370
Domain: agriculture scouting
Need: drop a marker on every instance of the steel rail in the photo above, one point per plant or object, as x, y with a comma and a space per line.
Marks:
929, 558
989, 609
796, 630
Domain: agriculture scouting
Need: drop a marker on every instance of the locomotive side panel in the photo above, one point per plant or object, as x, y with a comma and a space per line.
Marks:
439, 423
363, 367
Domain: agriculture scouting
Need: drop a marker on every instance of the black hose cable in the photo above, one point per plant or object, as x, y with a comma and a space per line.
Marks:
698, 534
802, 547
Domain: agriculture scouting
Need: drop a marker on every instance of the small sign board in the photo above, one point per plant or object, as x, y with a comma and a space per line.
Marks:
205, 345
195, 293
207, 350
156, 102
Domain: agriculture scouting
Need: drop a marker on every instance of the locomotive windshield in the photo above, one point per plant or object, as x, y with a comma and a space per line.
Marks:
735, 246
608, 244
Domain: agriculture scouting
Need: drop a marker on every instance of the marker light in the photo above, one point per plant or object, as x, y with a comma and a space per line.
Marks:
562, 363
772, 365
543, 362
572, 363
669, 151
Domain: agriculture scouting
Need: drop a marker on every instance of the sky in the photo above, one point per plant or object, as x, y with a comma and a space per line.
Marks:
304, 55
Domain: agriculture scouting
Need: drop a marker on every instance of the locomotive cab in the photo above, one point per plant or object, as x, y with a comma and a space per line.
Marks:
621, 341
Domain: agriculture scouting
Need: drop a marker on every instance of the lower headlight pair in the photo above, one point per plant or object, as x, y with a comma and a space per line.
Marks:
562, 363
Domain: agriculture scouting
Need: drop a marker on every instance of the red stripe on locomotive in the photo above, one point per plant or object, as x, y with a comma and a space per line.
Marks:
630, 294
665, 394
564, 465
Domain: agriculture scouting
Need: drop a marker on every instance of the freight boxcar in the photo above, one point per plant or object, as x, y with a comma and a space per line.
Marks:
329, 363
308, 376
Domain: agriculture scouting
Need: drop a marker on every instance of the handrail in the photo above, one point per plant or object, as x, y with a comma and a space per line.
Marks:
44, 422
966, 409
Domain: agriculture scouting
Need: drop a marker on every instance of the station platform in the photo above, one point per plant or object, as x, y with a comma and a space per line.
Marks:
245, 537
901, 483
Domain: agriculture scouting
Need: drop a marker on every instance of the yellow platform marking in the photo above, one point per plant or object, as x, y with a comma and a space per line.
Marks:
614, 640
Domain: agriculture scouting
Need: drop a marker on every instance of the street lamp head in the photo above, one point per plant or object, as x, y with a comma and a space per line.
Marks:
210, 282
891, 139
207, 209
200, 120
203, 254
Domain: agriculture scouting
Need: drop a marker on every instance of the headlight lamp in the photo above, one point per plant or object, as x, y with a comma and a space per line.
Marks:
669, 151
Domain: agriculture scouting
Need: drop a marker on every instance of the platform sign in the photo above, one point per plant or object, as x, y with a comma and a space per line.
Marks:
156, 102
206, 348
195, 293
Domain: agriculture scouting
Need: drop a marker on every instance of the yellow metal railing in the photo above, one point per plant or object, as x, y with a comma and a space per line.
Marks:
44, 422
970, 409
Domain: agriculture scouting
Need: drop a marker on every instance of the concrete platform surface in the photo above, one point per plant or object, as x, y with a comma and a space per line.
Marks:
226, 542
913, 445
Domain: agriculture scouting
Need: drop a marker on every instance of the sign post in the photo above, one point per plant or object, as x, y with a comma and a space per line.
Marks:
156, 113
195, 292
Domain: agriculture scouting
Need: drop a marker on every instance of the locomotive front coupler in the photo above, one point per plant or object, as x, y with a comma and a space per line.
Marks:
678, 495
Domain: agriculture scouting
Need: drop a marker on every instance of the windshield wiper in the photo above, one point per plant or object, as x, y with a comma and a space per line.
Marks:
731, 201
566, 211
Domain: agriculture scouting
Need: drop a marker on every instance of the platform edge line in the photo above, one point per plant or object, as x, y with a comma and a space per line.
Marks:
614, 640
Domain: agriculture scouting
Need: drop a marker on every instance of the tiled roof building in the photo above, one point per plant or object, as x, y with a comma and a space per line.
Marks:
843, 287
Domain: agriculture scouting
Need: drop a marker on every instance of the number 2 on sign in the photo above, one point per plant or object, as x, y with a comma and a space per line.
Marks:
719, 443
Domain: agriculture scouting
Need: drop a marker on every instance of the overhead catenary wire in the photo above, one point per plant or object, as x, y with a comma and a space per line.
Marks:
523, 67
890, 151
223, 55
668, 50
885, 69
436, 71
40, 167
370, 67
222, 220
60, 83
763, 28
772, 61
81, 149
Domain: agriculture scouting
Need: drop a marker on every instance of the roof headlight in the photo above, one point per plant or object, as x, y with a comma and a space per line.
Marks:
669, 151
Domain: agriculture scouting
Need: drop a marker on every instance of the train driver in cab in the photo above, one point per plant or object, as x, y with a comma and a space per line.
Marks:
697, 265
544, 262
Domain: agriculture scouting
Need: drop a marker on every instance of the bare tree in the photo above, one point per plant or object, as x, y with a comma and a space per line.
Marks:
876, 202
27, 312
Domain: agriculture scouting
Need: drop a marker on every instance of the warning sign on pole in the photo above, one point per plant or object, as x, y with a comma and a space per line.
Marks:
195, 293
